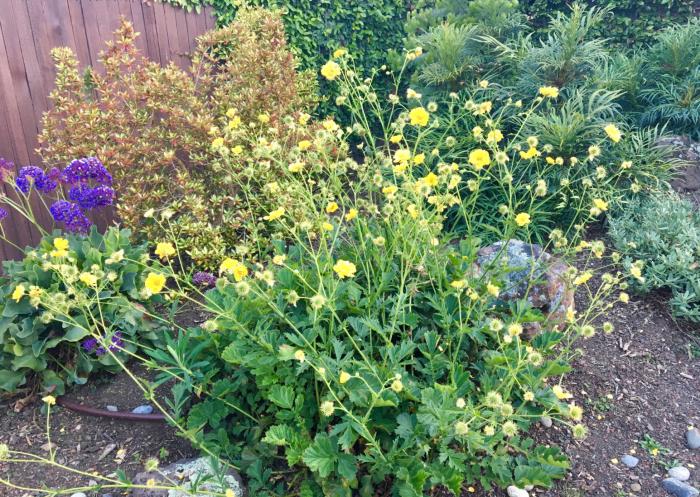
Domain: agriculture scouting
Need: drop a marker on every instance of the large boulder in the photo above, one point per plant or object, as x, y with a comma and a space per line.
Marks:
529, 272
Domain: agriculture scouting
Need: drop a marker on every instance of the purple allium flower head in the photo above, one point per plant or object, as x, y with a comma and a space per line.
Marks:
84, 170
90, 198
204, 279
72, 215
39, 179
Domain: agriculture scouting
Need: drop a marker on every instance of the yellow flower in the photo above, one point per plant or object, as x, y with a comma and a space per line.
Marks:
339, 52
60, 244
230, 493
531, 153
344, 269
165, 250
560, 393
329, 125
217, 143
395, 138
234, 267
50, 400
419, 159
154, 282
352, 214
549, 91
419, 116
636, 272
624, 297
458, 284
276, 214
304, 145
344, 377
479, 158
299, 355
295, 167
529, 396
600, 204
331, 207
234, 123
583, 278
613, 132
484, 83
330, 70
493, 289
264, 118
88, 279
304, 118
327, 226
18, 293
231, 113
279, 259
522, 219
402, 155
431, 179
390, 190
494, 136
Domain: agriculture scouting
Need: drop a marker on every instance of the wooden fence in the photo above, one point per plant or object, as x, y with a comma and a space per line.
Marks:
29, 29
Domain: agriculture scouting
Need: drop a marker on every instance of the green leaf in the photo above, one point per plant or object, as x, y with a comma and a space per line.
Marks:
322, 456
283, 396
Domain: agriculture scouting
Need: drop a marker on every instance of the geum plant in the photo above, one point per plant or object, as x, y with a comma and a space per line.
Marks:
77, 294
370, 348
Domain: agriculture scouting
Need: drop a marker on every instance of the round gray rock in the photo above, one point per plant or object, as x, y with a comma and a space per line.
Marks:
629, 461
514, 491
78, 494
692, 438
679, 473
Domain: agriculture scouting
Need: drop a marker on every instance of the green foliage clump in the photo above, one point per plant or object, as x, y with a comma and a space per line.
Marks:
629, 23
72, 290
661, 235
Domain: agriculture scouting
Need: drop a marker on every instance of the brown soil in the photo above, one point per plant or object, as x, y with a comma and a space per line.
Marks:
90, 444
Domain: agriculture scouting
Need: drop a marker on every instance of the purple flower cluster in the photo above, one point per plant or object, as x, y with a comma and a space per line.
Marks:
88, 197
32, 175
83, 171
93, 345
71, 215
203, 279
3, 214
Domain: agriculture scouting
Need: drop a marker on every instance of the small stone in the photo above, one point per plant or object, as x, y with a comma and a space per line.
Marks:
636, 487
78, 494
546, 421
514, 491
679, 473
529, 488
112, 408
678, 488
629, 461
146, 409
692, 437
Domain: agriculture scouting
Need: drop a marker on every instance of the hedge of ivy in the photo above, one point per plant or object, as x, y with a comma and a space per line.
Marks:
632, 22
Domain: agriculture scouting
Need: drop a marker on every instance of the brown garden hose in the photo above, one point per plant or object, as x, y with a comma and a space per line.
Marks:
94, 411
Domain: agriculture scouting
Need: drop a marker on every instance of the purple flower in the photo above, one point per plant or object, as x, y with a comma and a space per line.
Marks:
89, 344
204, 279
84, 170
3, 214
90, 198
117, 342
71, 215
29, 175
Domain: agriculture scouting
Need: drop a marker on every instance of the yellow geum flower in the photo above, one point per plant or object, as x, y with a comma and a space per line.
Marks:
395, 138
49, 400
522, 219
276, 214
304, 145
230, 493
600, 204
339, 52
234, 267
560, 393
531, 153
295, 167
549, 91
331, 207
431, 180
155, 282
419, 116
344, 269
419, 159
479, 158
494, 136
330, 70
88, 279
390, 190
61, 245
264, 118
18, 293
165, 250
344, 377
402, 155
613, 132
217, 143
327, 226
351, 214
